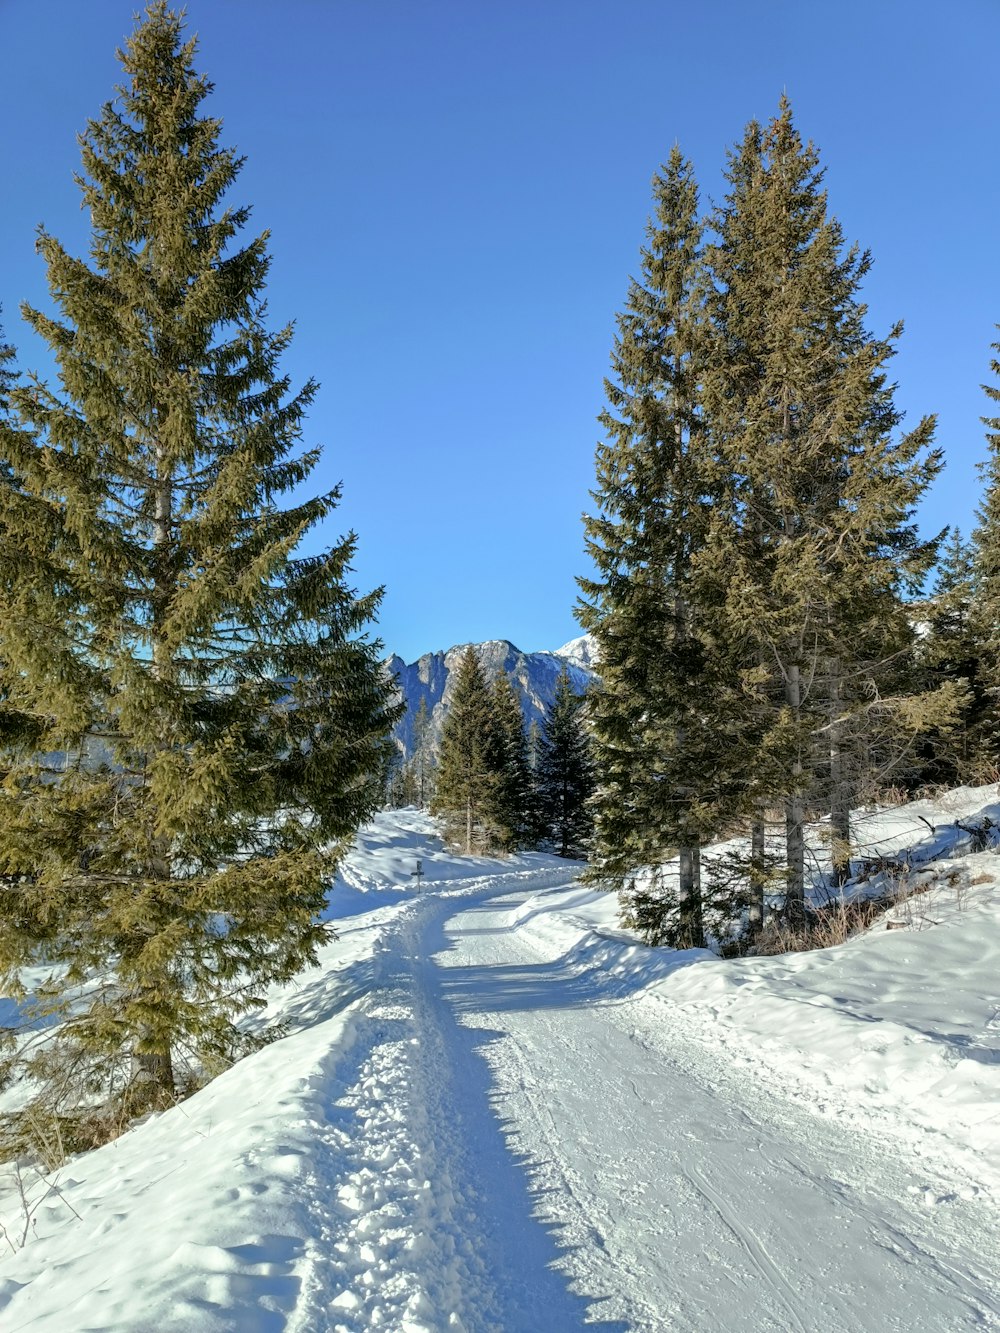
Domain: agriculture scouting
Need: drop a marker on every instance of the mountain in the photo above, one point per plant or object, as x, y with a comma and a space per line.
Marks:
582, 652
533, 676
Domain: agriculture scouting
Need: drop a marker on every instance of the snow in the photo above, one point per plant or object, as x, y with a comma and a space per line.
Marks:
496, 1110
582, 652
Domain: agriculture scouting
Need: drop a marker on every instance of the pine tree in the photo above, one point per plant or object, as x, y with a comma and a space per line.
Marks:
657, 712
512, 800
465, 794
208, 722
537, 823
400, 782
423, 758
534, 744
565, 774
812, 540
951, 649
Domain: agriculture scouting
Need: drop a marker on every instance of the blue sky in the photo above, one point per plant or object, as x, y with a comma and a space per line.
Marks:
457, 192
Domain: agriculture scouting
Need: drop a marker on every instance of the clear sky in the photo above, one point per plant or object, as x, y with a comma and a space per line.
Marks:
457, 192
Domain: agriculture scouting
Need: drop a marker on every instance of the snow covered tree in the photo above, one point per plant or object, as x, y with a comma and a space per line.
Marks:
565, 772
465, 793
197, 721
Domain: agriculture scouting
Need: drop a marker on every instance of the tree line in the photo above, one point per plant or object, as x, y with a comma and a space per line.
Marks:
768, 655
496, 787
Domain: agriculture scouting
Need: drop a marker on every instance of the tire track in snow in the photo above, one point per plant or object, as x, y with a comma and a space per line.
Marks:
636, 1141
755, 1250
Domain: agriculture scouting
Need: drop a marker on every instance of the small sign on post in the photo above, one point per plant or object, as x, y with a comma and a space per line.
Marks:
418, 874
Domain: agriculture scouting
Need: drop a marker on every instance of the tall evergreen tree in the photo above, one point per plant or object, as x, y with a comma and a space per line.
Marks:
565, 773
423, 758
812, 538
200, 722
537, 823
512, 801
951, 648
655, 715
465, 793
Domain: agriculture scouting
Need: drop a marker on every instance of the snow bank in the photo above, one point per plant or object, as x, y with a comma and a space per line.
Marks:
897, 1031
199, 1218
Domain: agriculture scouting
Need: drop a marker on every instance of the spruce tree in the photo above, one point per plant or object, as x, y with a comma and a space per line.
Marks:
199, 722
537, 823
565, 773
656, 714
512, 799
465, 793
951, 648
423, 758
812, 543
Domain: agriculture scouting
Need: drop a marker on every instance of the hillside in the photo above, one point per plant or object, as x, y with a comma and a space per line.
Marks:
495, 1111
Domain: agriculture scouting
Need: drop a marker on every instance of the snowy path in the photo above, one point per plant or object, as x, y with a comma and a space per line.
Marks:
494, 1112
635, 1183
431, 1225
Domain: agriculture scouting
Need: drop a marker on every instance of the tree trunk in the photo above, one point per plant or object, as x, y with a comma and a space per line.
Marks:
758, 875
154, 1069
840, 784
153, 1080
795, 812
691, 923
152, 1072
691, 931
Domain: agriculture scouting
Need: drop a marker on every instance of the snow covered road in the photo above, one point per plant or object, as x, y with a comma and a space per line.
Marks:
495, 1112
637, 1184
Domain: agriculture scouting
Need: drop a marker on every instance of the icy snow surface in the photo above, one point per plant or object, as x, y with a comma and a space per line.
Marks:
497, 1111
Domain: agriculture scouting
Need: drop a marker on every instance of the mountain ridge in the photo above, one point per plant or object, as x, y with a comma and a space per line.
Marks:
533, 675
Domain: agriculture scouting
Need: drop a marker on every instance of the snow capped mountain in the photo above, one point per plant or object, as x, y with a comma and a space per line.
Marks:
533, 676
582, 652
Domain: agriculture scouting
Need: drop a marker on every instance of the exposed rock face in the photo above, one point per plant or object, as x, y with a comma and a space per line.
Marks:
533, 675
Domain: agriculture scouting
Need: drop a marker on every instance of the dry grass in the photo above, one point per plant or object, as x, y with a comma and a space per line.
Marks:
825, 927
